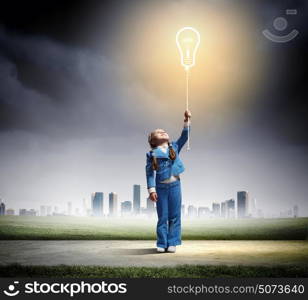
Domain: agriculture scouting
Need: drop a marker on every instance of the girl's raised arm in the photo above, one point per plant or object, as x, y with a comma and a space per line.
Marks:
184, 135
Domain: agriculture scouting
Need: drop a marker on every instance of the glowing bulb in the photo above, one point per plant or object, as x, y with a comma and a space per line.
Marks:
188, 40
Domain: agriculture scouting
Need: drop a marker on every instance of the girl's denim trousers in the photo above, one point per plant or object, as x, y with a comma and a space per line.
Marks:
168, 208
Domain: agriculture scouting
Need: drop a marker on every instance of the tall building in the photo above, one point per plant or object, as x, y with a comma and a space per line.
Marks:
25, 212
2, 208
223, 209
126, 208
242, 204
192, 211
42, 210
49, 211
97, 204
203, 212
31, 212
22, 212
136, 198
295, 211
230, 208
216, 209
113, 204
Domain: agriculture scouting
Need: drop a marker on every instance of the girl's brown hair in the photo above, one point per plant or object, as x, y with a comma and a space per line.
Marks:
172, 154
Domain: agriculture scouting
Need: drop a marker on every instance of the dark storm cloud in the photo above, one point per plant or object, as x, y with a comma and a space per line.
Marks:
49, 87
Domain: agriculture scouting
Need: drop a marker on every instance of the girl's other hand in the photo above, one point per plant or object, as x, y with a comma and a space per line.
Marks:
187, 115
153, 196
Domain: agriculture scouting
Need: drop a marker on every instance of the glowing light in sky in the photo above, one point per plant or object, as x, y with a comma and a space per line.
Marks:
228, 65
188, 40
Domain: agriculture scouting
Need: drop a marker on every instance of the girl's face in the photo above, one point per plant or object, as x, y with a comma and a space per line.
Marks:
160, 136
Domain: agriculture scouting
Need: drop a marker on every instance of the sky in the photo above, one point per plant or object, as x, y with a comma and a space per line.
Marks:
84, 82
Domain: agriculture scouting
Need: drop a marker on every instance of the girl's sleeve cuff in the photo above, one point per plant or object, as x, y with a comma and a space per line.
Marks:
152, 190
186, 123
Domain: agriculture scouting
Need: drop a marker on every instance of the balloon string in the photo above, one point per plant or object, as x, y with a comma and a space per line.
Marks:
188, 140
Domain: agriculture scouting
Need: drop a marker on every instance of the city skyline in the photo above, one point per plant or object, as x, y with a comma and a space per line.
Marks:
244, 206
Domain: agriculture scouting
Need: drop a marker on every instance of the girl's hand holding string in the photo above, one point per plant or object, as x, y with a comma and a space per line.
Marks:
153, 196
187, 115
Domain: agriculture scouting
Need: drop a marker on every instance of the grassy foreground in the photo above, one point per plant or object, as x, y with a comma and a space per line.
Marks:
181, 271
87, 228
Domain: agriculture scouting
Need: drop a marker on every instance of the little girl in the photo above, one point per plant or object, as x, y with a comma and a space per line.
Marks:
163, 166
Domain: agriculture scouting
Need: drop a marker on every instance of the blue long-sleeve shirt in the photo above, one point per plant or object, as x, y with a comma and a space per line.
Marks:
164, 148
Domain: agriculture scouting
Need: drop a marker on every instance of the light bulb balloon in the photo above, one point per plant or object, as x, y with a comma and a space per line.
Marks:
188, 40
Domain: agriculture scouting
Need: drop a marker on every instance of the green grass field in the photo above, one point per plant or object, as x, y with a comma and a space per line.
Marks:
82, 228
181, 271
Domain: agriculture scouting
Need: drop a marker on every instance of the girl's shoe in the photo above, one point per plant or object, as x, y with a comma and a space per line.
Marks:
159, 249
171, 249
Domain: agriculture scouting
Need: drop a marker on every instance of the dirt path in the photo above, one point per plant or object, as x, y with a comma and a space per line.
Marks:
143, 253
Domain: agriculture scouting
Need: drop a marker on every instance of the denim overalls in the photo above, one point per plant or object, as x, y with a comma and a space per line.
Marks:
168, 208
169, 195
